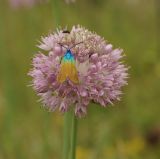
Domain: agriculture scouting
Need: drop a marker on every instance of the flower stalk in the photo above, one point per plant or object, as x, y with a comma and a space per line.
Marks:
69, 138
56, 12
67, 120
73, 137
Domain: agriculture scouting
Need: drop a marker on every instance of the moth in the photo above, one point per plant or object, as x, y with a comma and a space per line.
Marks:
68, 66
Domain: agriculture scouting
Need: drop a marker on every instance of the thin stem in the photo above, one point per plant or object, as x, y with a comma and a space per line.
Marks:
56, 12
157, 10
66, 135
73, 137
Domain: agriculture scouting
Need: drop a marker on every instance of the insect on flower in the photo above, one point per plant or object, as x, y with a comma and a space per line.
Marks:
66, 31
68, 68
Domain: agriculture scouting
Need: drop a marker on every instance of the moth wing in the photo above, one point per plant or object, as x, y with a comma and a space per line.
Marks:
68, 70
72, 73
62, 75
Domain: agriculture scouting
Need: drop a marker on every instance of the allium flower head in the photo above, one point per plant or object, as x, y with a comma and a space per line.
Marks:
95, 73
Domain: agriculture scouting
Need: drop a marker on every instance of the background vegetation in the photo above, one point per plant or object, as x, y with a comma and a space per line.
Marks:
128, 130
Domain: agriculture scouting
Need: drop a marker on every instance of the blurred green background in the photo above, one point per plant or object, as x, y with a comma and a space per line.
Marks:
128, 130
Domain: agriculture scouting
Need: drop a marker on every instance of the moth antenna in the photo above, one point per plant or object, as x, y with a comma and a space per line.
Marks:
75, 45
63, 46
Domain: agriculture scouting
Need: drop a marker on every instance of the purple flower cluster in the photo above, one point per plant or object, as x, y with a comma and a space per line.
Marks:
101, 73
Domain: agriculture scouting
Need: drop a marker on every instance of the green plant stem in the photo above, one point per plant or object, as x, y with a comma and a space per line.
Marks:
66, 135
73, 137
157, 13
56, 12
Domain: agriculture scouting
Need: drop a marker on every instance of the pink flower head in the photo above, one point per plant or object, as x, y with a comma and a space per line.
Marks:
101, 74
